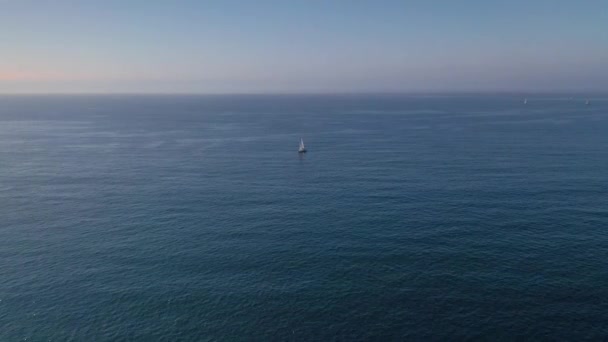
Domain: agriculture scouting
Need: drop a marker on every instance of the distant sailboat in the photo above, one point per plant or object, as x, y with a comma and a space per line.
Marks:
302, 149
587, 103
525, 101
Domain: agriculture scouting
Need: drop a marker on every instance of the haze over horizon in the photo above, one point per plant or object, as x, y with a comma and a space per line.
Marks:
303, 46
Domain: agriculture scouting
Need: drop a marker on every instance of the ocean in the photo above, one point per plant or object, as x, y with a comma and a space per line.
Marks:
193, 218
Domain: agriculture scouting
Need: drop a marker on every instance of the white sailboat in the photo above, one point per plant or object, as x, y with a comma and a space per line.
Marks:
587, 102
302, 149
525, 101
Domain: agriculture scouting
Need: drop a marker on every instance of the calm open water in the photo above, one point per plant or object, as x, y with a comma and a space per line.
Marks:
194, 218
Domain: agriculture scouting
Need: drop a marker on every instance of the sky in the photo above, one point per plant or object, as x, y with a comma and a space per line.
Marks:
303, 46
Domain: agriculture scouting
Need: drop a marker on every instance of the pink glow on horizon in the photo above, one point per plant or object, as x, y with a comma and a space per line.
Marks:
30, 75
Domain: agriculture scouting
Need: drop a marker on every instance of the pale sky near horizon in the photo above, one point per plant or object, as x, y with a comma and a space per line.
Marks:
230, 46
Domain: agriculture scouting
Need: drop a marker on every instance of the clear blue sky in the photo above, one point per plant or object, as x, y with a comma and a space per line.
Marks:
259, 46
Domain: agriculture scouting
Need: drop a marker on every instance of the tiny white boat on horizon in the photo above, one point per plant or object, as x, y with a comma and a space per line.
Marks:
302, 148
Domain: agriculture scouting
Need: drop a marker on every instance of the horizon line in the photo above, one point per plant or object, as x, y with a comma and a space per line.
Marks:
347, 93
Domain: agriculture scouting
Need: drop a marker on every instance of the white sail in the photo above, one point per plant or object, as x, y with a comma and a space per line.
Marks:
302, 148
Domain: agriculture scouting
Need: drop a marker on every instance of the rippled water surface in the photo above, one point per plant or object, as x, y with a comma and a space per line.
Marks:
194, 218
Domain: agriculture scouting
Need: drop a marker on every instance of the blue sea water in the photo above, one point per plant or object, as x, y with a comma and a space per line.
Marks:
193, 218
